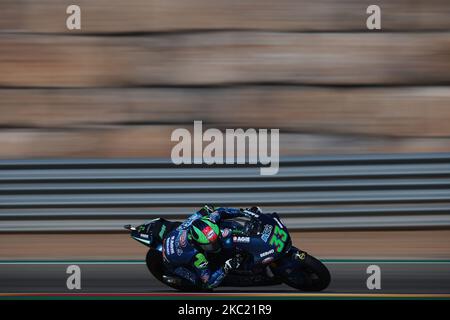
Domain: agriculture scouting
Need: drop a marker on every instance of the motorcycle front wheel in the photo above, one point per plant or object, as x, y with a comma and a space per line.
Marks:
310, 275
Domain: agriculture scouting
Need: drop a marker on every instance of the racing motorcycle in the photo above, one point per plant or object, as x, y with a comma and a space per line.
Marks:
263, 244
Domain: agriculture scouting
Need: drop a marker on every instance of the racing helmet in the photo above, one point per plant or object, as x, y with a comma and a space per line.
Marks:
207, 209
206, 234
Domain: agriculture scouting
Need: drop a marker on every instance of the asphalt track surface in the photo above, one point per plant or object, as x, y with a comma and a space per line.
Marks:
348, 276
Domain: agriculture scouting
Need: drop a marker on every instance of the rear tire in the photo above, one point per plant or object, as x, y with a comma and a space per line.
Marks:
312, 275
155, 265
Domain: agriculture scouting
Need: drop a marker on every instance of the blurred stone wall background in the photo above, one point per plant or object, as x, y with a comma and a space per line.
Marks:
140, 68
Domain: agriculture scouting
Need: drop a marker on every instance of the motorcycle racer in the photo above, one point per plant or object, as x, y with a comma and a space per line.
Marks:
207, 251
187, 249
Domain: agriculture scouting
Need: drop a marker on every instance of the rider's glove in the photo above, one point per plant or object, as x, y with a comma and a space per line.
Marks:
256, 210
232, 264
246, 213
252, 212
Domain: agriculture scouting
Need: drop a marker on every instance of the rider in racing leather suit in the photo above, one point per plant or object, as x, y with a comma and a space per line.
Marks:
187, 259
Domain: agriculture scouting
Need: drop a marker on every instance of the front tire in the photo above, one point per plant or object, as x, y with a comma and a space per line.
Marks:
311, 275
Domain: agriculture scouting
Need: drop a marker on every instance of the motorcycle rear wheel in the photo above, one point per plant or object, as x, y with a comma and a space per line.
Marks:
155, 265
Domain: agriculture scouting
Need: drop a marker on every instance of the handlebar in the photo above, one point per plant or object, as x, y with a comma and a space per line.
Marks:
252, 226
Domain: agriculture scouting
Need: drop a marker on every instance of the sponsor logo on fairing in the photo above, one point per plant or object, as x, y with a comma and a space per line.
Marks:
172, 245
170, 248
264, 254
266, 232
241, 239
